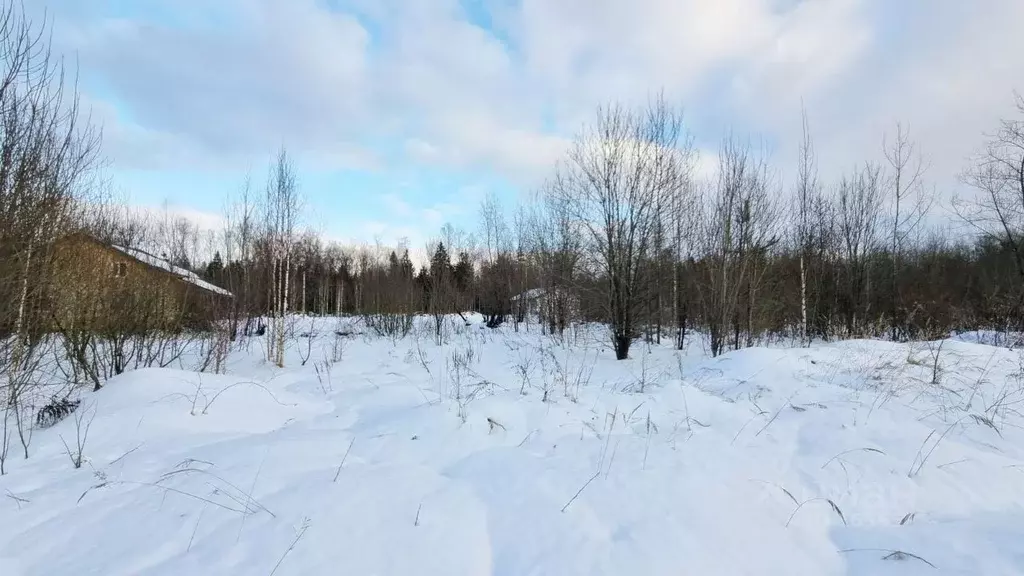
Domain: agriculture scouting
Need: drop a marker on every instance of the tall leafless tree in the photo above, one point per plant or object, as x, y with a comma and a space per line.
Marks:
737, 231
280, 221
859, 201
909, 205
619, 171
998, 209
806, 191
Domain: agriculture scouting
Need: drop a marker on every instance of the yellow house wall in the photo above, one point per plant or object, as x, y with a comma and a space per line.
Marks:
87, 293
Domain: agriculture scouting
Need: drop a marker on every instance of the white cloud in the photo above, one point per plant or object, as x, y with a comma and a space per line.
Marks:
809, 48
396, 205
422, 151
474, 140
279, 73
950, 79
705, 165
401, 222
237, 78
204, 221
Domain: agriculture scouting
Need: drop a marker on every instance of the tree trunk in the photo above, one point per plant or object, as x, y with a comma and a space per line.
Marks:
284, 312
622, 343
804, 339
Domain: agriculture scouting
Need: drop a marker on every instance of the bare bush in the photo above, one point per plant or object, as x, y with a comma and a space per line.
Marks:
48, 149
323, 375
83, 422
390, 325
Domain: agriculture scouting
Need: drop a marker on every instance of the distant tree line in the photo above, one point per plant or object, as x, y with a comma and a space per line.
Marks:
625, 234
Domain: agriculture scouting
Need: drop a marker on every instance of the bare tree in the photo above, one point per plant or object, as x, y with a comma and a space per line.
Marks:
683, 215
494, 231
619, 171
48, 150
498, 270
523, 279
757, 224
909, 207
556, 246
859, 204
240, 235
998, 210
280, 220
737, 231
806, 192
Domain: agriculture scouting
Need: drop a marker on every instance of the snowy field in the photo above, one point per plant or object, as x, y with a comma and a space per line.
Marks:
517, 454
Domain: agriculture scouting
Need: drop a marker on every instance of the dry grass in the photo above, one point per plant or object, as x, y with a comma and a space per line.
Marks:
832, 504
894, 555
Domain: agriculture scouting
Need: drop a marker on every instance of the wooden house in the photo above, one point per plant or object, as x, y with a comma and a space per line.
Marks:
106, 287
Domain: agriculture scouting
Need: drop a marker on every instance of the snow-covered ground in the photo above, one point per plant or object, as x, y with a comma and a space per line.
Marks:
408, 458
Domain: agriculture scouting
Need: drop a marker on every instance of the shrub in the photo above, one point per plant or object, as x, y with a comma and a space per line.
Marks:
55, 411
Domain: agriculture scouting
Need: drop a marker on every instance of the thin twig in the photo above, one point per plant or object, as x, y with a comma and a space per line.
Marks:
195, 528
298, 536
18, 499
122, 456
890, 554
580, 491
835, 508
343, 458
248, 495
845, 452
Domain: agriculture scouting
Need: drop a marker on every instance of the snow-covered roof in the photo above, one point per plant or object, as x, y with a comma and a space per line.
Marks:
185, 275
529, 294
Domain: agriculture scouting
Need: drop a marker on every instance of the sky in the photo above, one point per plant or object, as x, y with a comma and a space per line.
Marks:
402, 115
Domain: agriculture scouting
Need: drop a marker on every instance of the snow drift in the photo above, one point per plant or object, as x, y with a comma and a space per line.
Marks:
519, 454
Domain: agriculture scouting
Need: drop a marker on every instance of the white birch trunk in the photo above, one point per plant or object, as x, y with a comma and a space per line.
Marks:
803, 302
284, 311
272, 323
20, 321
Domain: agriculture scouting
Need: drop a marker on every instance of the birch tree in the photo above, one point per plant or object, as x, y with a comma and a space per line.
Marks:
48, 149
280, 220
806, 191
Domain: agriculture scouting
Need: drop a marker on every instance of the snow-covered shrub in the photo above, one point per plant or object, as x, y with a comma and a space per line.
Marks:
394, 326
55, 411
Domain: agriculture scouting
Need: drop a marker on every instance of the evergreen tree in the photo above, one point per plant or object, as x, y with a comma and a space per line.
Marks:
215, 268
463, 273
440, 265
393, 265
423, 285
405, 265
